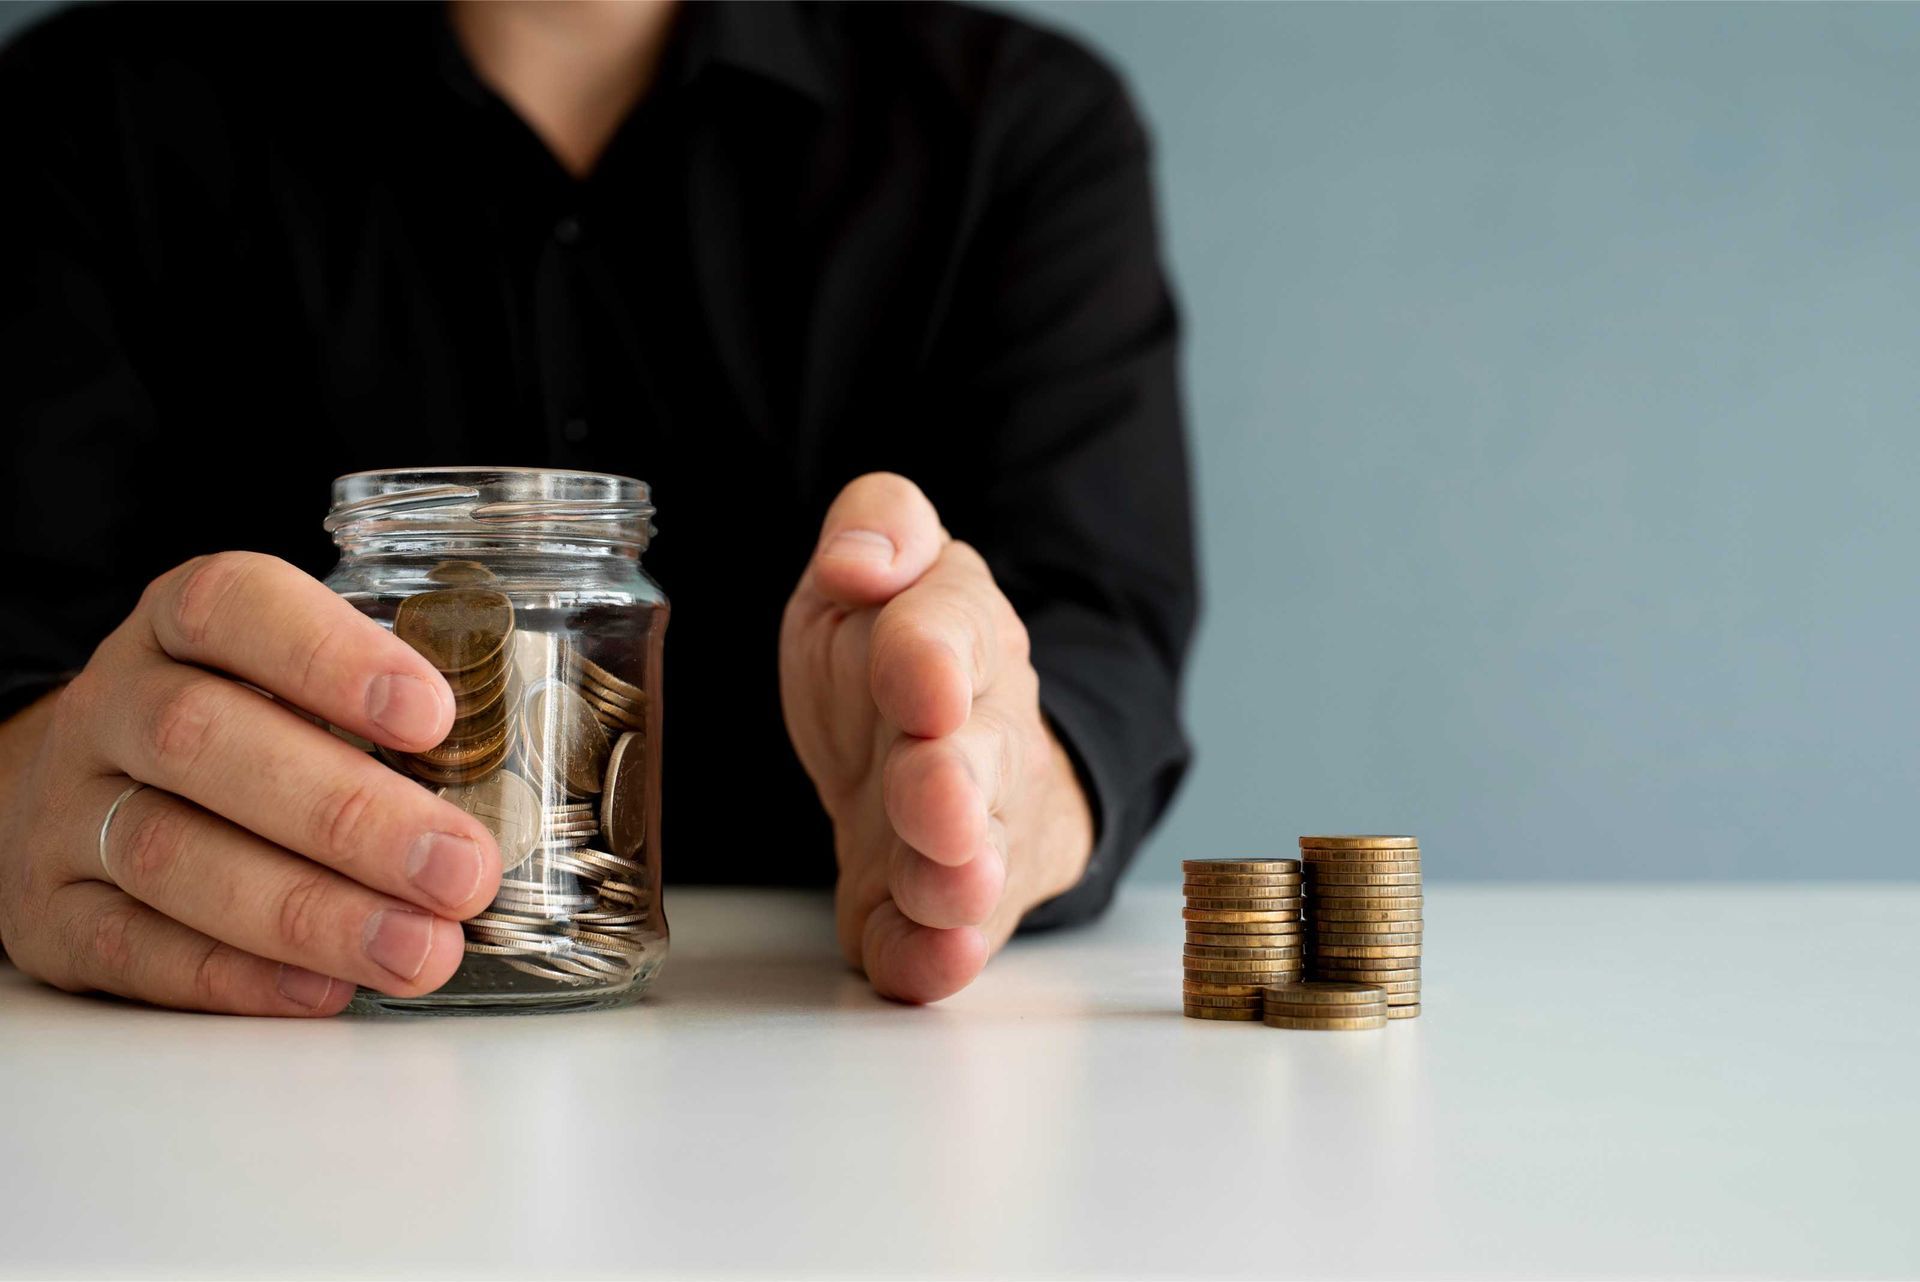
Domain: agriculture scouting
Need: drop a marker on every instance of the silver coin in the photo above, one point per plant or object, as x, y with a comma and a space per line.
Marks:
510, 809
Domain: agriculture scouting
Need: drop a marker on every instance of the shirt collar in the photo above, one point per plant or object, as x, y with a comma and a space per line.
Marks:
765, 38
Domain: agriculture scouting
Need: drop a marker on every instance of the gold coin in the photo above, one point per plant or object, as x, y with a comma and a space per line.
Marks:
1323, 940
1406, 989
1209, 962
1256, 979
1328, 912
1240, 865
1409, 998
562, 737
1366, 875
1324, 969
1192, 997
461, 573
1241, 954
612, 718
1240, 890
1322, 927
1243, 941
1250, 1015
1404, 1012
455, 629
1287, 924
1325, 1024
1376, 1010
1237, 918
623, 805
1239, 879
509, 808
1359, 843
614, 686
1367, 896
1321, 992
1366, 952
1246, 905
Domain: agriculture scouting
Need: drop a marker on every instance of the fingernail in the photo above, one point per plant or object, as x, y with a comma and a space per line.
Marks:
305, 987
860, 545
405, 707
398, 940
444, 867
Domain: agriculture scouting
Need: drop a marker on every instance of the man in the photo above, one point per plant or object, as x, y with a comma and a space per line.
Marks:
869, 295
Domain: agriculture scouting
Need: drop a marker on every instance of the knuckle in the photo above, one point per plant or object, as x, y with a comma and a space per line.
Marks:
340, 818
183, 722
217, 981
204, 586
303, 911
155, 841
109, 944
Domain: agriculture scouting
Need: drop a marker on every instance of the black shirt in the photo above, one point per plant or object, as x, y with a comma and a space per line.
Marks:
244, 249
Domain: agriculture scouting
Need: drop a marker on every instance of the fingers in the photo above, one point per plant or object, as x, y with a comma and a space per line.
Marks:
879, 536
228, 884
267, 623
243, 757
914, 963
945, 896
939, 793
116, 944
940, 644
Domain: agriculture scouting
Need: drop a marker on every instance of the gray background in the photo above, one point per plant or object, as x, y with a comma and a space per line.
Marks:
1553, 380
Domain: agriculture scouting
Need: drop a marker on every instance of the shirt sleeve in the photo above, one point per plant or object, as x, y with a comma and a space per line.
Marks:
1065, 353
72, 409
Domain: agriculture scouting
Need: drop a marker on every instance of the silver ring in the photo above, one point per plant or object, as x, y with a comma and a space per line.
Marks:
107, 823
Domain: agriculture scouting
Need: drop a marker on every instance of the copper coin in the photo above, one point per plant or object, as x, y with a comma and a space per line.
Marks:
1359, 843
1240, 865
1326, 1024
1250, 1015
1321, 992
455, 629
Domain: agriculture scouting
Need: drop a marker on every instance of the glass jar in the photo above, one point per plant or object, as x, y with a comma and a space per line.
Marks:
523, 587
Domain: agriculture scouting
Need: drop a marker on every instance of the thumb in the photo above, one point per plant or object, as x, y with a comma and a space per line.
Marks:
880, 536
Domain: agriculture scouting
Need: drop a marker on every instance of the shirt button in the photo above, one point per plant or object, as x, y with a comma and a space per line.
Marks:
574, 429
567, 231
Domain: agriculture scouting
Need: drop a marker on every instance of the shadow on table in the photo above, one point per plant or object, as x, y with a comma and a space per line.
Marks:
757, 982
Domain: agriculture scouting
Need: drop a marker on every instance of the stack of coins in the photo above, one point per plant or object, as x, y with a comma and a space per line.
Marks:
1364, 922
465, 633
1325, 1006
1243, 934
548, 750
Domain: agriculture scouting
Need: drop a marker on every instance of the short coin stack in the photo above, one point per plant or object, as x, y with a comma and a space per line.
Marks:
1243, 934
1364, 915
1326, 1006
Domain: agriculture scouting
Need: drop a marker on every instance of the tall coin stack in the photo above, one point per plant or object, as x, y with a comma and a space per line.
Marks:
465, 633
1243, 934
1364, 915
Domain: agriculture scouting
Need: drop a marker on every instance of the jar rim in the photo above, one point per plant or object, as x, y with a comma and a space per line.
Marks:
480, 499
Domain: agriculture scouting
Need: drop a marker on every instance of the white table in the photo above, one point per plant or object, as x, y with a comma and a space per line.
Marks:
1616, 1080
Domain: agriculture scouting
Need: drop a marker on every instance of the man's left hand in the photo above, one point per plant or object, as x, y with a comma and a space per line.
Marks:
913, 705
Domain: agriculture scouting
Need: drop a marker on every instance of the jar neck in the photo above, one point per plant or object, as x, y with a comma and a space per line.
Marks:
414, 543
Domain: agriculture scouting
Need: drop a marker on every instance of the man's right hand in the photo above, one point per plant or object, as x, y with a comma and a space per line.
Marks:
268, 866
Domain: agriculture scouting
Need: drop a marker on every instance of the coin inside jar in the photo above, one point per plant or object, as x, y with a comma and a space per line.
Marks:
562, 737
510, 809
623, 806
456, 629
